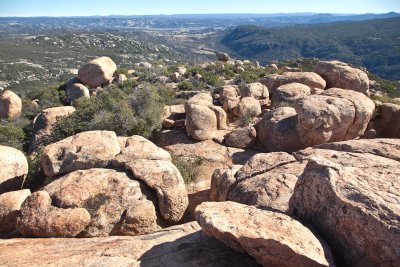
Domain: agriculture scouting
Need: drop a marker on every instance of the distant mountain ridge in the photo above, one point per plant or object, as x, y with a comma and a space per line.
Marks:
374, 44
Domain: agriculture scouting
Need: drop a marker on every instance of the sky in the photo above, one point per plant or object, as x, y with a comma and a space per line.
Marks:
26, 8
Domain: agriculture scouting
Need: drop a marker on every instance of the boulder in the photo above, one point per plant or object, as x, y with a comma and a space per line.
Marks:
13, 169
289, 69
183, 245
241, 138
322, 119
40, 218
117, 204
221, 56
10, 105
97, 72
272, 239
222, 182
203, 119
92, 149
387, 122
121, 78
165, 179
288, 94
227, 92
352, 200
277, 130
256, 90
248, 107
77, 90
10, 205
44, 121
181, 70
364, 109
311, 79
341, 75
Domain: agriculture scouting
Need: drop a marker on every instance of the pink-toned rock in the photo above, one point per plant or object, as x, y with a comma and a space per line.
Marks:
241, 138
13, 169
256, 90
82, 151
289, 93
97, 72
10, 205
40, 218
273, 239
248, 107
387, 122
10, 105
341, 75
227, 92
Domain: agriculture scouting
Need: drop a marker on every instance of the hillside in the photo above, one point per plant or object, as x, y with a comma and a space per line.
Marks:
374, 44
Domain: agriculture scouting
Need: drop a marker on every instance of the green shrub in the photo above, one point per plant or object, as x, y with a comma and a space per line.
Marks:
185, 86
12, 136
189, 168
122, 71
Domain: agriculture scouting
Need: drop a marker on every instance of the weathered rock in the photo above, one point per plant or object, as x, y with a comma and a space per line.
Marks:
166, 180
77, 90
222, 182
256, 90
221, 56
273, 239
248, 107
10, 105
323, 119
227, 92
97, 72
181, 70
121, 78
274, 67
13, 169
387, 122
40, 219
341, 75
114, 201
364, 109
184, 245
349, 198
311, 79
93, 149
289, 69
10, 205
277, 130
289, 93
43, 123
203, 119
242, 137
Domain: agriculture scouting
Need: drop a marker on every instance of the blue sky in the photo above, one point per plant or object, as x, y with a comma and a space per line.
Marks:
146, 7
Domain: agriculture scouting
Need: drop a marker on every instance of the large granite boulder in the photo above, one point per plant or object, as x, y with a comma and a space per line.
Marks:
77, 90
273, 239
92, 149
387, 121
10, 105
183, 245
277, 130
221, 56
241, 137
44, 121
247, 107
350, 195
97, 72
13, 169
341, 75
256, 90
288, 94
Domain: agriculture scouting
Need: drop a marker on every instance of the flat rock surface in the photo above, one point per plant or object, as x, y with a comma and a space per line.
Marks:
183, 245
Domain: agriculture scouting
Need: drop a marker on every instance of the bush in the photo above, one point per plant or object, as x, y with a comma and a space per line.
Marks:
122, 71
12, 136
189, 168
185, 86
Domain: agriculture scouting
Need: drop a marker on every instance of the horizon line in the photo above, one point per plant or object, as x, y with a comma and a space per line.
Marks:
190, 14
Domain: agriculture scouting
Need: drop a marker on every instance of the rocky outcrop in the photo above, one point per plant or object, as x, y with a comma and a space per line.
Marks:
77, 90
117, 204
311, 79
43, 124
247, 107
10, 205
341, 75
13, 169
184, 245
277, 130
350, 196
203, 119
227, 92
39, 218
10, 105
256, 90
97, 72
241, 138
93, 149
273, 239
288, 94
